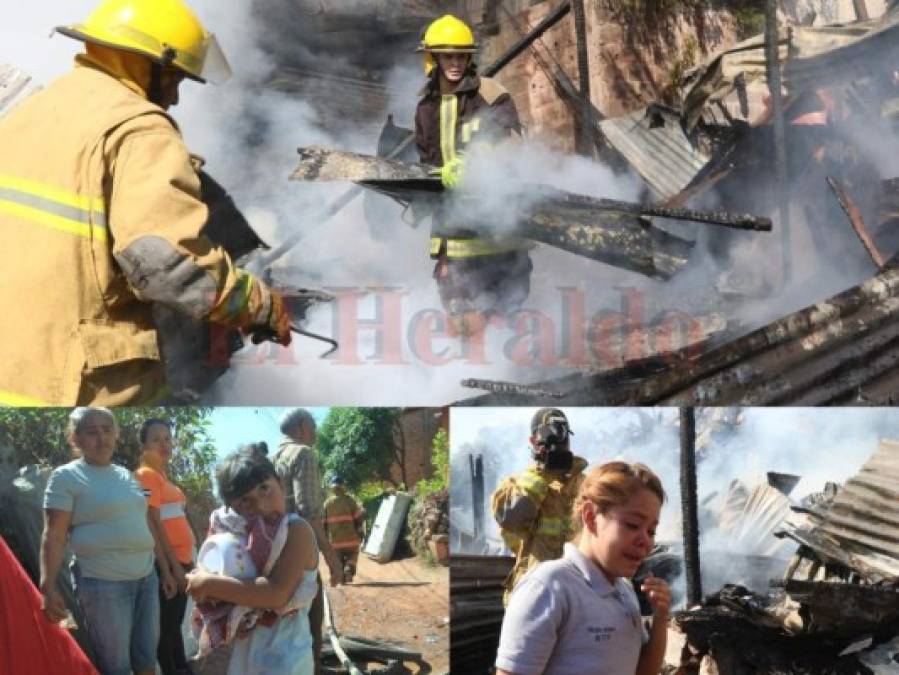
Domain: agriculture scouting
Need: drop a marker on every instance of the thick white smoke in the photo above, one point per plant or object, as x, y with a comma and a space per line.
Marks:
817, 444
248, 132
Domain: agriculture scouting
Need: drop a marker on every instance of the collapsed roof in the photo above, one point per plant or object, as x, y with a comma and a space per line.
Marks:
673, 150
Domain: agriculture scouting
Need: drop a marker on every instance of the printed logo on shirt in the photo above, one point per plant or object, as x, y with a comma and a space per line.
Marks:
601, 633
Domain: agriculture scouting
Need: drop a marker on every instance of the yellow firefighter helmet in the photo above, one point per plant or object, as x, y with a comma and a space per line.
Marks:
165, 31
446, 35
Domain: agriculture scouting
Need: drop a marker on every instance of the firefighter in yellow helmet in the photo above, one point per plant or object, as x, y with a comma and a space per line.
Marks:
533, 509
477, 275
100, 210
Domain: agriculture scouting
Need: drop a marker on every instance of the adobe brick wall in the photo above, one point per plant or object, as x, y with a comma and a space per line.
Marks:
419, 425
631, 62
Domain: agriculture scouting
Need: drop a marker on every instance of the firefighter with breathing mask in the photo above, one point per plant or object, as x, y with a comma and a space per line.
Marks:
477, 274
100, 206
533, 509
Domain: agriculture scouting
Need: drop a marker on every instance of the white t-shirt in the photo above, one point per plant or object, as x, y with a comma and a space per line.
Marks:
565, 618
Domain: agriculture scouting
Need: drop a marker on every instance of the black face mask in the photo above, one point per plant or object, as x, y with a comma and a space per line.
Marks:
551, 442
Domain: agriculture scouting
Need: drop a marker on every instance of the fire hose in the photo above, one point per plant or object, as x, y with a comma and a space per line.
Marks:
370, 650
334, 638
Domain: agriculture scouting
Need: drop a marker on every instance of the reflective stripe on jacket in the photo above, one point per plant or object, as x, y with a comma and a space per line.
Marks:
480, 110
101, 213
343, 521
551, 499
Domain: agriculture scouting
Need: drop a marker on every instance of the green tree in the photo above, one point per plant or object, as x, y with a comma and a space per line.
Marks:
439, 479
359, 444
39, 437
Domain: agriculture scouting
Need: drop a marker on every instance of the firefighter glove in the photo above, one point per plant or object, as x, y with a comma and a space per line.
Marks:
276, 325
452, 173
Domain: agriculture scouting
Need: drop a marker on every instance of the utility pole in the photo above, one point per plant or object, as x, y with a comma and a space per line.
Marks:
689, 507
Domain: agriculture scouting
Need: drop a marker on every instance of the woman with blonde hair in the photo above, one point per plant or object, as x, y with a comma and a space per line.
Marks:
579, 615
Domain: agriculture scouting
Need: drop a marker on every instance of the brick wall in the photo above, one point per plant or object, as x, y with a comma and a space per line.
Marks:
632, 62
419, 426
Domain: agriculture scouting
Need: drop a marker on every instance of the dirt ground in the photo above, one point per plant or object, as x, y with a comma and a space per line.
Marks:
404, 602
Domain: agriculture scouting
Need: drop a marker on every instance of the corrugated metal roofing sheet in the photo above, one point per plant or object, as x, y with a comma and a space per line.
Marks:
875, 48
654, 143
844, 350
866, 511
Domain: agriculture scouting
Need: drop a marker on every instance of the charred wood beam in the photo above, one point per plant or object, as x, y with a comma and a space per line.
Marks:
738, 221
772, 61
846, 609
740, 640
550, 216
533, 35
689, 509
489, 23
476, 610
476, 468
711, 377
585, 141
614, 238
499, 387
856, 220
848, 354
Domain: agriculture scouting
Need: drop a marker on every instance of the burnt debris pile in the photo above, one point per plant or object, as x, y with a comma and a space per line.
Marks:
836, 608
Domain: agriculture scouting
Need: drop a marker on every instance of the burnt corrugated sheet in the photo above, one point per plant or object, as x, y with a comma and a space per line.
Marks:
476, 610
654, 143
876, 48
859, 527
749, 517
865, 512
844, 350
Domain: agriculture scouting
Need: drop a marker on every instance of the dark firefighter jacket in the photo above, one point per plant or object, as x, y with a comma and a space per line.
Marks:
479, 111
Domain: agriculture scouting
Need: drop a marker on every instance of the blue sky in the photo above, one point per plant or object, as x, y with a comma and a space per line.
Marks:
232, 427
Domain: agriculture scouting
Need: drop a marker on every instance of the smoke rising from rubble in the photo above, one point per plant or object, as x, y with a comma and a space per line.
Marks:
820, 445
255, 171
248, 134
218, 122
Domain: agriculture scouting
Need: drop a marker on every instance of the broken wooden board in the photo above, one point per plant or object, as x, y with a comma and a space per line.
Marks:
570, 222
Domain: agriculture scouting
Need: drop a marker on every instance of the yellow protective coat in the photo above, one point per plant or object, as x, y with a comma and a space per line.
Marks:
552, 496
95, 181
343, 522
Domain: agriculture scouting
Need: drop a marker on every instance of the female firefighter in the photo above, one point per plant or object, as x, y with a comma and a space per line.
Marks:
477, 274
579, 614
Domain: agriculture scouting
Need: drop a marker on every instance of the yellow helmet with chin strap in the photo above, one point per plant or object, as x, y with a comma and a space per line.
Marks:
165, 31
446, 35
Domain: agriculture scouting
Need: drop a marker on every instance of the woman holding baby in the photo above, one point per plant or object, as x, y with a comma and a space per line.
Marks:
264, 614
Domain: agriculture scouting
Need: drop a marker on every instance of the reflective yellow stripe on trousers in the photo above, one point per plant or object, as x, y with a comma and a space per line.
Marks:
50, 207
